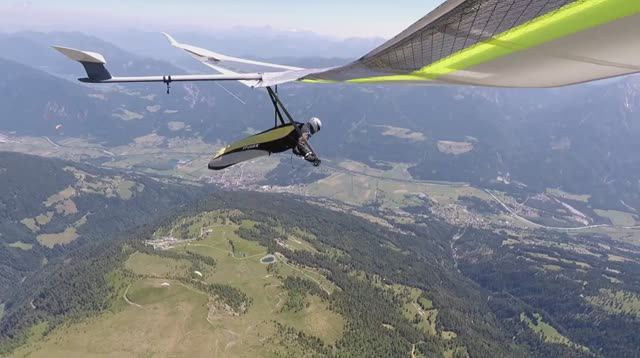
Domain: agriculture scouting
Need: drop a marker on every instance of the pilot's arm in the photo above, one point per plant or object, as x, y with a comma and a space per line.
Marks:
304, 147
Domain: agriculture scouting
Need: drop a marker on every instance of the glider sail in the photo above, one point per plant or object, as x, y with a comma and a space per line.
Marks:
225, 64
503, 43
510, 43
274, 140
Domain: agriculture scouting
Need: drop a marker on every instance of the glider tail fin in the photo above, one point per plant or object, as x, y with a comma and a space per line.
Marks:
94, 63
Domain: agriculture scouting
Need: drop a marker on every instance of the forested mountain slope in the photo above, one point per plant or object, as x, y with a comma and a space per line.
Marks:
382, 293
49, 208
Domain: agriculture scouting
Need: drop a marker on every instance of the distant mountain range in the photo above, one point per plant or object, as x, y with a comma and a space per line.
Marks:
582, 139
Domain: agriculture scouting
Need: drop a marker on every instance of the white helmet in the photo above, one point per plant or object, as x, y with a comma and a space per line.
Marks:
315, 124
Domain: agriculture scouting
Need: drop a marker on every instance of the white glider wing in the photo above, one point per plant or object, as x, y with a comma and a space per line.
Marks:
227, 65
216, 60
95, 66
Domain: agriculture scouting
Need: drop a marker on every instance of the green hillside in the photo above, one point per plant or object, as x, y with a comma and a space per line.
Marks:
341, 286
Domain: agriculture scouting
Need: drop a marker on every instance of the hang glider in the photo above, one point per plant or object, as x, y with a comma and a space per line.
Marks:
501, 43
497, 43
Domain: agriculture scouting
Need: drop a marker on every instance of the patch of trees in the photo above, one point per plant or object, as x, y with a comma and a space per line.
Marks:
181, 230
480, 206
304, 286
226, 294
196, 259
297, 290
264, 233
295, 302
292, 338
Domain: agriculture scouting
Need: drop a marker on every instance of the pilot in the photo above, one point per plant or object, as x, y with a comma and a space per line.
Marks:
302, 148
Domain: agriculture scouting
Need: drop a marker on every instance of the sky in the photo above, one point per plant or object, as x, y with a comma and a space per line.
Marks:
336, 18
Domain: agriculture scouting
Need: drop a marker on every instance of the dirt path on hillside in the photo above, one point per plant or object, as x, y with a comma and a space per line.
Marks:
124, 295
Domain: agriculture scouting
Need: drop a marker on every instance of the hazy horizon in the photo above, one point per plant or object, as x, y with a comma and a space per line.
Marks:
330, 18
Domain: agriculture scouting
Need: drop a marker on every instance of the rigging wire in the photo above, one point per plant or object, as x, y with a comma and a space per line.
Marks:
231, 93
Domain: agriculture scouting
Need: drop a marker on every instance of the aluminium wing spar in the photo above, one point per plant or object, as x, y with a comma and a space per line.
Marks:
94, 64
